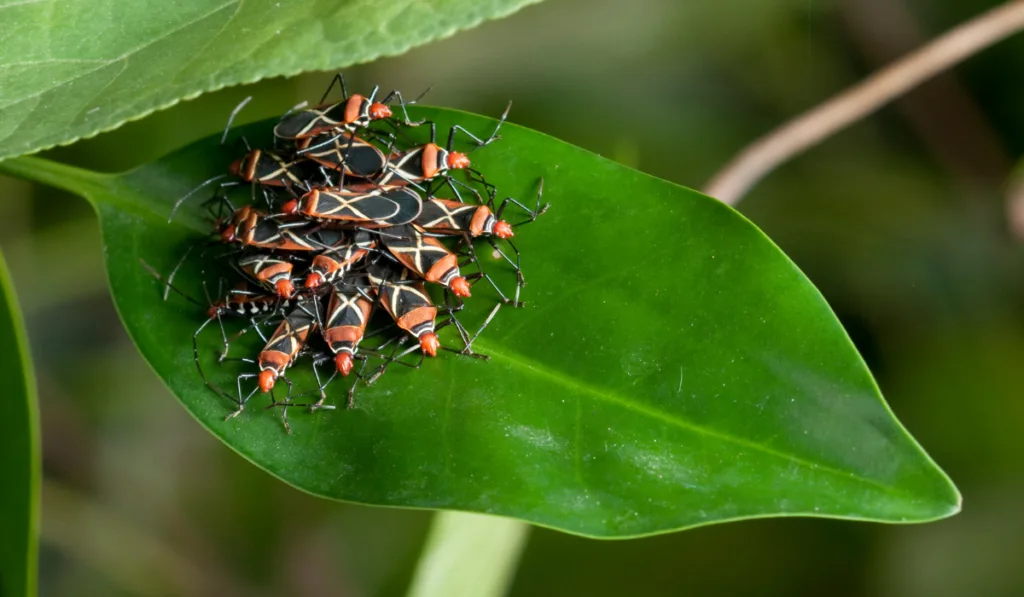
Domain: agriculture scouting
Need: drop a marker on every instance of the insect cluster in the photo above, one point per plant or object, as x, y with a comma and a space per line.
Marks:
343, 215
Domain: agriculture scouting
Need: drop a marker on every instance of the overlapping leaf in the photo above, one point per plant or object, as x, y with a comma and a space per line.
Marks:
672, 368
70, 69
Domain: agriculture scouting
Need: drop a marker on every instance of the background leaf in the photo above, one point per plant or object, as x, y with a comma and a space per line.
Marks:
672, 369
71, 69
19, 450
468, 555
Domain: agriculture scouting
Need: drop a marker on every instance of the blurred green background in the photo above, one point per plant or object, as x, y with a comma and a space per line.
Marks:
902, 221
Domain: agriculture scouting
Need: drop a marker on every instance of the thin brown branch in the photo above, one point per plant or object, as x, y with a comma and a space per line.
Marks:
1015, 203
764, 155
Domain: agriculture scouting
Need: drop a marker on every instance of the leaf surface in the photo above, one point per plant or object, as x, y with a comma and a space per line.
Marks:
672, 367
73, 68
20, 471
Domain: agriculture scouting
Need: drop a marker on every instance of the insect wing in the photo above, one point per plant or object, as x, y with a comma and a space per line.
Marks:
445, 216
409, 205
349, 206
346, 152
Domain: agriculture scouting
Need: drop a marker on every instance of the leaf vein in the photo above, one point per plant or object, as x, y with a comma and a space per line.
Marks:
665, 417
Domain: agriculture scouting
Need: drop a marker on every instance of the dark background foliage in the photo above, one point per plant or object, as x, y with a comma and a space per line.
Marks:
900, 220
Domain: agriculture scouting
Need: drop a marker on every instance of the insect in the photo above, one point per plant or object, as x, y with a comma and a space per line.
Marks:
366, 205
427, 257
253, 228
264, 168
351, 209
347, 153
407, 301
270, 169
283, 346
431, 161
238, 302
444, 216
350, 114
269, 271
347, 316
279, 352
345, 205
334, 262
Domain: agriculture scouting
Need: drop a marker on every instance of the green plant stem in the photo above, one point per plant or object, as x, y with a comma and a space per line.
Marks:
468, 555
20, 469
56, 174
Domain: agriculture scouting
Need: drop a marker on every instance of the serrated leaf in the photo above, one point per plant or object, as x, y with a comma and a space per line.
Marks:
672, 368
71, 69
20, 471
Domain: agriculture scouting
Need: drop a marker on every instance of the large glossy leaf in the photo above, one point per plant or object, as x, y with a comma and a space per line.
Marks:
19, 450
71, 68
673, 368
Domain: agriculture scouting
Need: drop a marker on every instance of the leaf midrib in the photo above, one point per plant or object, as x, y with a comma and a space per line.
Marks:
603, 395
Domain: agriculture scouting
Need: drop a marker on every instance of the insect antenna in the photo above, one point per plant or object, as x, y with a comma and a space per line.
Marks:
202, 185
231, 119
167, 283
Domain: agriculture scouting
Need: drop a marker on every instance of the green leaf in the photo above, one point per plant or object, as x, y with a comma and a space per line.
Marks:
70, 69
672, 368
468, 555
19, 450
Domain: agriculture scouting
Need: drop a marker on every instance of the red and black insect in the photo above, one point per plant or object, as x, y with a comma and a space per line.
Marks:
445, 216
252, 228
367, 205
268, 168
349, 208
284, 345
269, 271
430, 162
426, 257
239, 302
348, 314
366, 208
407, 301
350, 114
346, 153
264, 168
334, 262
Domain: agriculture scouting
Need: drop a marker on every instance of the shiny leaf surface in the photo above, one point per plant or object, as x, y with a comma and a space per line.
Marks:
19, 450
672, 367
71, 69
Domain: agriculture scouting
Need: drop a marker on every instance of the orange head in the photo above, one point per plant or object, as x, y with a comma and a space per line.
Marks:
285, 288
459, 286
291, 206
314, 279
267, 379
214, 309
227, 234
502, 229
458, 161
429, 343
344, 362
245, 167
379, 111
